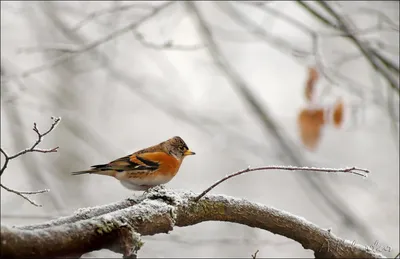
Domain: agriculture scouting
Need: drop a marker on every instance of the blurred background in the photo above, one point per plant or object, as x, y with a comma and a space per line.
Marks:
243, 83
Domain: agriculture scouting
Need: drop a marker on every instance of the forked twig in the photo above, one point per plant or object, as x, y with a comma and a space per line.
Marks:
23, 194
351, 170
33, 148
254, 256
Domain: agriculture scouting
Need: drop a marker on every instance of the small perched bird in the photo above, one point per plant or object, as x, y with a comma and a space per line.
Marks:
146, 168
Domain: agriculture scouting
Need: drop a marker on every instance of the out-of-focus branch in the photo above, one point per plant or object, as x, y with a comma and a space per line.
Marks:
169, 45
159, 211
350, 170
364, 49
113, 9
280, 43
315, 35
163, 104
369, 54
287, 148
235, 79
67, 55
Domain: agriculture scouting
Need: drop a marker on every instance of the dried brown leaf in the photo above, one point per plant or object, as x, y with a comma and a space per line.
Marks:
338, 113
310, 84
310, 122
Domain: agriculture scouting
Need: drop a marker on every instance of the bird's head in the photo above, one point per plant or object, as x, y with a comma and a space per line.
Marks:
177, 147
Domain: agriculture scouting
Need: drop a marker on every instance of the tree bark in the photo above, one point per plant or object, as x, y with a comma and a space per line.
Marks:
118, 226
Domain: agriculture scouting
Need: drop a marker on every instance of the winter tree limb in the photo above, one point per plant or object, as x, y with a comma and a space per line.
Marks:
160, 210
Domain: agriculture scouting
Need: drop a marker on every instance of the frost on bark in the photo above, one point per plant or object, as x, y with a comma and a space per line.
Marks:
118, 226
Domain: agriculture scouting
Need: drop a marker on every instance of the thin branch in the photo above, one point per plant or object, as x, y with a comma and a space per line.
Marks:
33, 148
287, 147
24, 193
112, 9
351, 170
381, 16
64, 57
63, 48
254, 256
169, 45
368, 53
365, 50
282, 44
316, 14
253, 28
39, 139
388, 63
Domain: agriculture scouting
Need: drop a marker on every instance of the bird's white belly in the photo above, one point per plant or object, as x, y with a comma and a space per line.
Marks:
138, 184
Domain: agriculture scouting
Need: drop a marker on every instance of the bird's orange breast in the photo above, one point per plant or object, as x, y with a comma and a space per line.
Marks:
168, 164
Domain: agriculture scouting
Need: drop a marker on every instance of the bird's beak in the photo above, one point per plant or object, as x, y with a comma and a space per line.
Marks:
189, 153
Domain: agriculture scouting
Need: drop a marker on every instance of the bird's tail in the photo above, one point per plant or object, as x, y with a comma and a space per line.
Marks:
91, 171
97, 169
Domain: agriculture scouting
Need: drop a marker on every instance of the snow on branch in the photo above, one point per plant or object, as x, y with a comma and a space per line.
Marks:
159, 210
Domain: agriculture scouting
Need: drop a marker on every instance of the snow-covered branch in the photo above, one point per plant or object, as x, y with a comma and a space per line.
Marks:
118, 227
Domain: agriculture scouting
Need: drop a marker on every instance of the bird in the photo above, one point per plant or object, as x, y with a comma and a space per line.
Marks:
146, 168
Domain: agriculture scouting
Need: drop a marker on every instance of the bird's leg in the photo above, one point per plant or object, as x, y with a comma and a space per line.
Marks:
161, 186
154, 188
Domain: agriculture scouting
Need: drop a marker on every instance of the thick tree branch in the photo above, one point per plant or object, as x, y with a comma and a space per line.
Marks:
158, 211
85, 213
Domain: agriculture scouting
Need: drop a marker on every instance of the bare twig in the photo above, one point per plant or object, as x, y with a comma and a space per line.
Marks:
63, 48
254, 256
369, 54
169, 45
67, 55
113, 9
40, 138
361, 45
288, 149
24, 193
33, 148
316, 35
351, 170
